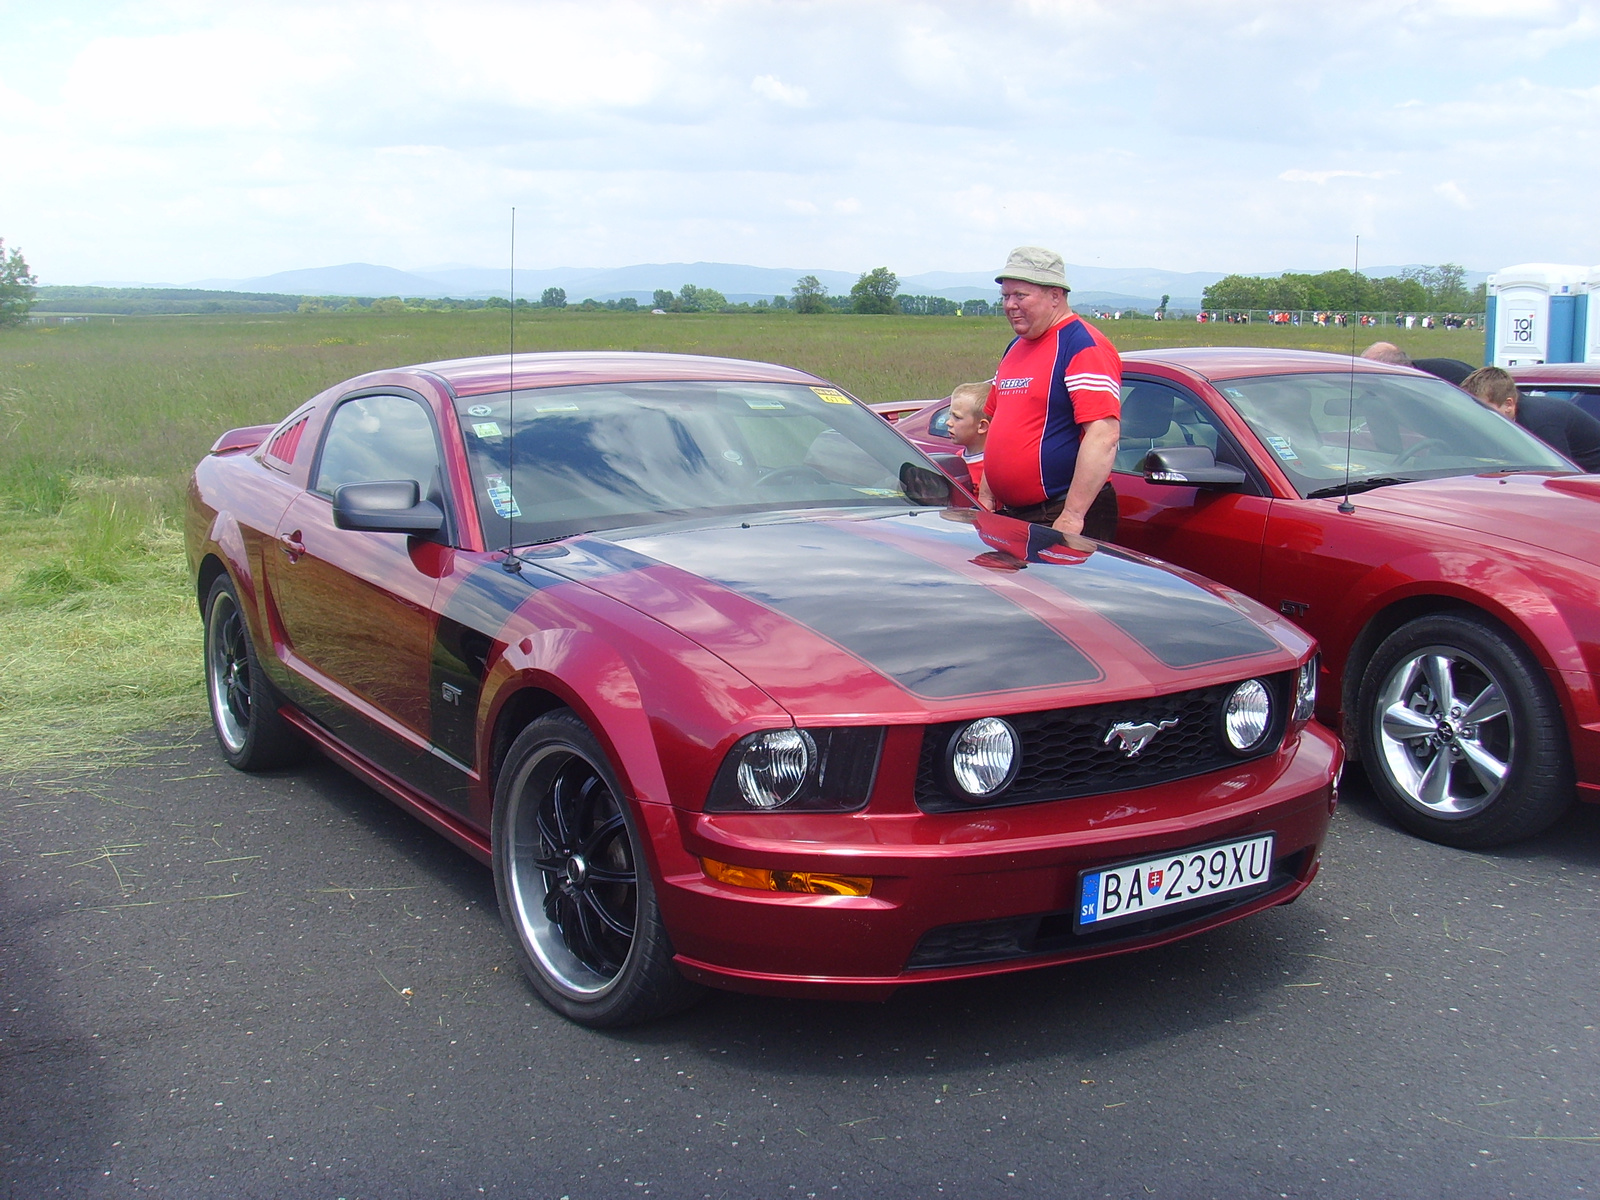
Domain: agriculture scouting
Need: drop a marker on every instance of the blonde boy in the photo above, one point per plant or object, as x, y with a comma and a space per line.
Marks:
969, 426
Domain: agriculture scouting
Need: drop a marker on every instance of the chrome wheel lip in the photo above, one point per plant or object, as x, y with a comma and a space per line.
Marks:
1448, 754
228, 673
534, 870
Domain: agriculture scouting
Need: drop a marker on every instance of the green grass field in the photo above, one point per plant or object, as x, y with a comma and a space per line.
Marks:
99, 637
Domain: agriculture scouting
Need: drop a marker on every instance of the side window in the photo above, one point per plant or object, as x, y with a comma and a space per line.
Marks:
939, 425
1157, 415
376, 438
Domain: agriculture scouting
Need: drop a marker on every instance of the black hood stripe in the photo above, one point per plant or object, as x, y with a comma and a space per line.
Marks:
1181, 624
934, 632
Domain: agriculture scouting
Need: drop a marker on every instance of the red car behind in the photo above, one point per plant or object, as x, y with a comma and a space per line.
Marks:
1446, 560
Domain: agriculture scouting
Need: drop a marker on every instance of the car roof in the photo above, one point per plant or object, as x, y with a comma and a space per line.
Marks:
476, 376
1558, 373
1235, 362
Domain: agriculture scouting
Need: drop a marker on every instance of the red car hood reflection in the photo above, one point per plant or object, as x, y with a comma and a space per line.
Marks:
1546, 513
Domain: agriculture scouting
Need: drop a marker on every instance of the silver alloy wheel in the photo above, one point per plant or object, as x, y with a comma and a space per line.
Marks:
228, 672
571, 878
1445, 732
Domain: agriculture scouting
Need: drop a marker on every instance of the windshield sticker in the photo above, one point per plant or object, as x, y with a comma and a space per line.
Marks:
865, 491
479, 410
505, 504
486, 429
1282, 448
555, 408
763, 404
831, 395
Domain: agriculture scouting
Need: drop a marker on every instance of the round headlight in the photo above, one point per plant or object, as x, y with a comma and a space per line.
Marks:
775, 767
983, 756
1247, 714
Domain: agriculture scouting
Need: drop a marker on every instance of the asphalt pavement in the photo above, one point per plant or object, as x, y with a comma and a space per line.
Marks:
281, 986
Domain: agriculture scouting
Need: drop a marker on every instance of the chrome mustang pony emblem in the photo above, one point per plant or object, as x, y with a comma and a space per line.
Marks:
1135, 736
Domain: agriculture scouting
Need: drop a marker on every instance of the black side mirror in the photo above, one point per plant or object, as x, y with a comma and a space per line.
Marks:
923, 486
386, 506
1189, 466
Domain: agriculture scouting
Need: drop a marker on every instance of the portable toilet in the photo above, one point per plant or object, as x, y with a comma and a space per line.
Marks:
1591, 342
1538, 312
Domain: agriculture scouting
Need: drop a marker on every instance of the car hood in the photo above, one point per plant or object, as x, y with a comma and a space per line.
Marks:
1559, 513
925, 611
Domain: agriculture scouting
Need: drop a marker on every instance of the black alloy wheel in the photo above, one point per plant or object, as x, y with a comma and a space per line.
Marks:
1462, 738
574, 887
244, 706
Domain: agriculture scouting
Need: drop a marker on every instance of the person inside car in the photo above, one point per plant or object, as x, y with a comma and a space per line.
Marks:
1557, 423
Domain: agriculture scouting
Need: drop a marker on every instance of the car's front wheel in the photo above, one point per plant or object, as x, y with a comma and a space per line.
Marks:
1461, 735
574, 887
244, 706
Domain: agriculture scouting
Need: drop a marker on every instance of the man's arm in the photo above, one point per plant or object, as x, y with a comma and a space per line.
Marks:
985, 496
1097, 451
1583, 438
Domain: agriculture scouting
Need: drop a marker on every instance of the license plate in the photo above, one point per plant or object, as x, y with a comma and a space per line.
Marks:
1110, 895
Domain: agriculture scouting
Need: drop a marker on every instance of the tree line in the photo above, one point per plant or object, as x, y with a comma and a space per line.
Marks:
1416, 289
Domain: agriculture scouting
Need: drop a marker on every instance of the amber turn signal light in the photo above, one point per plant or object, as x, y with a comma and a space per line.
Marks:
812, 882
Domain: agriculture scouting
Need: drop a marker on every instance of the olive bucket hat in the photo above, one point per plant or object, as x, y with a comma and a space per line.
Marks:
1035, 264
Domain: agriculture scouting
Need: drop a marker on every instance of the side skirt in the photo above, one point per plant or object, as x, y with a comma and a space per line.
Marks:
471, 839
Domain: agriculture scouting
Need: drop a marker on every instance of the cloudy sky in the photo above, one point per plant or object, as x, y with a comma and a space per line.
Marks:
172, 141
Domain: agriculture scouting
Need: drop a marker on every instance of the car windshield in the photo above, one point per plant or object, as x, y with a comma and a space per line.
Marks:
549, 462
1392, 427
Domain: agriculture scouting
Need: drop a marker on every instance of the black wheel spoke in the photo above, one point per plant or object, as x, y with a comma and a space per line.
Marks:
616, 922
602, 838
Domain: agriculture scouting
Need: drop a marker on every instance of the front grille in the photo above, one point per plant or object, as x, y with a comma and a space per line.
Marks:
1053, 933
1064, 750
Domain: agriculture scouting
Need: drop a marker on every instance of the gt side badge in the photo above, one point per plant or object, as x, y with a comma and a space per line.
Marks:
450, 693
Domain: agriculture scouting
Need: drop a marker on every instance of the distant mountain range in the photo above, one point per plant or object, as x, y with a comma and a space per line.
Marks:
1093, 287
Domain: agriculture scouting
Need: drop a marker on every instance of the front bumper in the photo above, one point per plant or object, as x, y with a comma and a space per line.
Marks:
973, 893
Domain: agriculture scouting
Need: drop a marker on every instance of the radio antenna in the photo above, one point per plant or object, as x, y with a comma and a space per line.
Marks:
511, 562
1350, 413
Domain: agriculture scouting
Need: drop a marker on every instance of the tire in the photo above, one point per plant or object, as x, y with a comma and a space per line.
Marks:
244, 706
1487, 767
574, 883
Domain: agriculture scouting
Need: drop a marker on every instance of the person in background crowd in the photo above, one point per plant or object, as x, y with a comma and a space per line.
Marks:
1557, 423
969, 426
1055, 408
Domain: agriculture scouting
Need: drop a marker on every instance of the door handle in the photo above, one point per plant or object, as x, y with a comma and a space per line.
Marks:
292, 545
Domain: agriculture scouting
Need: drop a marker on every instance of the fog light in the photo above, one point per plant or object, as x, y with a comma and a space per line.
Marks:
1247, 714
983, 756
815, 883
775, 767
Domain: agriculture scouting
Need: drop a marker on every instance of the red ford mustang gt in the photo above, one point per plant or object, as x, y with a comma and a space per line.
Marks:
1456, 596
718, 673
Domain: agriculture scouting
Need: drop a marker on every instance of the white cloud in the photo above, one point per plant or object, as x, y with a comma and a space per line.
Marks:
776, 90
1298, 176
166, 140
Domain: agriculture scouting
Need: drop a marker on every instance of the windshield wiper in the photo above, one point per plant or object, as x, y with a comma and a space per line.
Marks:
1356, 485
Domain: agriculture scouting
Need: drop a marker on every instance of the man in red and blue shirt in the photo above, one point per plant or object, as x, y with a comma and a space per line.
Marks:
1054, 410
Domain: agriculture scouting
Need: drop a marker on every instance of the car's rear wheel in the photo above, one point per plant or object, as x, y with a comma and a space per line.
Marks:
574, 887
244, 707
1462, 737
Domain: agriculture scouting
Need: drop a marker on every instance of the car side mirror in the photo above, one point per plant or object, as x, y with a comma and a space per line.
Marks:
924, 486
386, 506
953, 465
1189, 466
